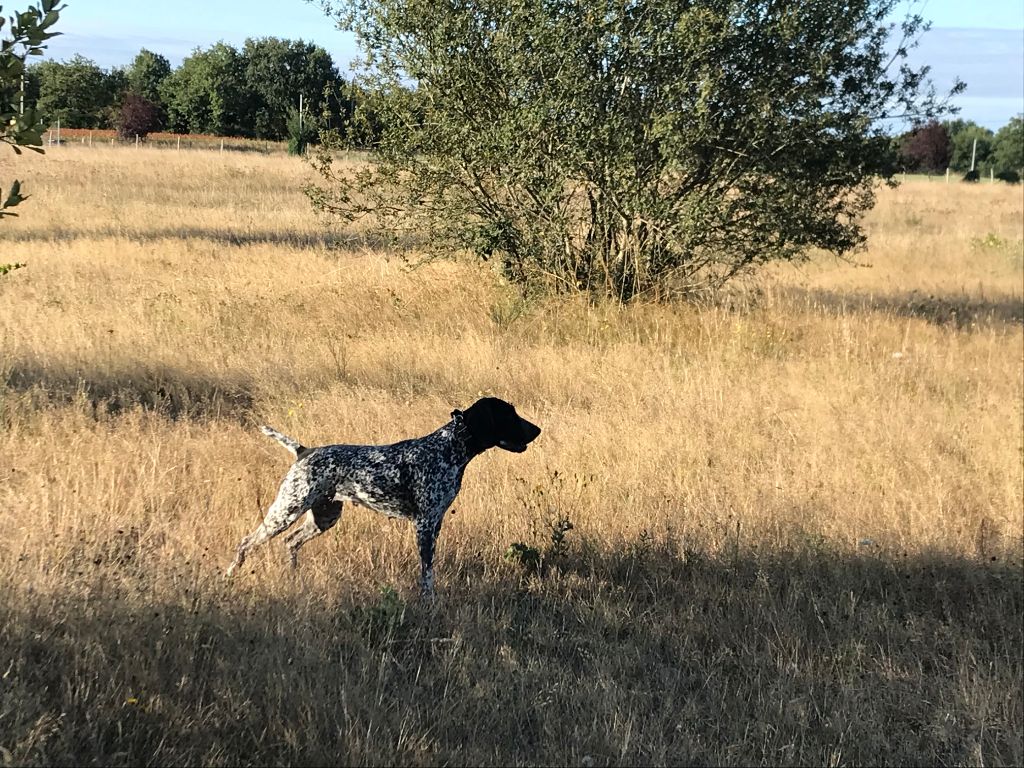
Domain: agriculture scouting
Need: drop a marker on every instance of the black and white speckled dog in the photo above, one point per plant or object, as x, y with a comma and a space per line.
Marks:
416, 479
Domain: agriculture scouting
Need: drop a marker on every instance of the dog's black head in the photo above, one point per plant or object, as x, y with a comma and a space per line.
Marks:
491, 423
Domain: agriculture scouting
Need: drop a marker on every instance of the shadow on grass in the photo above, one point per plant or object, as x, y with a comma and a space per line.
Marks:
172, 393
962, 312
226, 236
641, 656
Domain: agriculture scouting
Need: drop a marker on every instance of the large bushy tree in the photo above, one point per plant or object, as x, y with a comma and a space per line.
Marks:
78, 92
626, 146
963, 134
147, 73
208, 93
145, 77
277, 72
1008, 150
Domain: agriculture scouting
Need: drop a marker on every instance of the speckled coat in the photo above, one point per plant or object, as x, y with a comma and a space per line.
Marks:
416, 479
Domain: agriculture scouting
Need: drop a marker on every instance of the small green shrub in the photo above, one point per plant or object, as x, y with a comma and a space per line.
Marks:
529, 558
302, 132
381, 619
990, 242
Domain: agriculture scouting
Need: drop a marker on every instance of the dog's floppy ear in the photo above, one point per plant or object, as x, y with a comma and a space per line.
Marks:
479, 419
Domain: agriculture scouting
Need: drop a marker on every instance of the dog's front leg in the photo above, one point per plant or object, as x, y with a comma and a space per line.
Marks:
427, 530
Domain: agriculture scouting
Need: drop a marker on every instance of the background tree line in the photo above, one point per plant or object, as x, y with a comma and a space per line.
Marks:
935, 146
220, 90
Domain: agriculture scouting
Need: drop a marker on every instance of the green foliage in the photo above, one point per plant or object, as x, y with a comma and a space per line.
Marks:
525, 556
145, 77
277, 72
626, 148
535, 562
78, 93
380, 621
220, 90
207, 93
962, 135
551, 507
147, 73
302, 132
990, 242
26, 36
1010, 177
1008, 153
251, 93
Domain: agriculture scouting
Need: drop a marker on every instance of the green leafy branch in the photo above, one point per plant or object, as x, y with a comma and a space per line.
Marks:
21, 126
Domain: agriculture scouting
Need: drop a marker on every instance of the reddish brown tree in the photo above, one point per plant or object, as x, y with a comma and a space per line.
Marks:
927, 149
138, 116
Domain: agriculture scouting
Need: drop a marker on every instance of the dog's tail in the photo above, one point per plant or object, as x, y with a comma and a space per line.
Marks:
292, 445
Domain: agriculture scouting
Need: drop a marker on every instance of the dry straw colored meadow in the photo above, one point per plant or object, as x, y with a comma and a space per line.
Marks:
797, 514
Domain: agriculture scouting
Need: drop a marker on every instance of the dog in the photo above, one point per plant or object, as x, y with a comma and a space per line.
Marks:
415, 479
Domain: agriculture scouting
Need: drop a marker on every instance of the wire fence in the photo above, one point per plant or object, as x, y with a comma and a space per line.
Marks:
91, 137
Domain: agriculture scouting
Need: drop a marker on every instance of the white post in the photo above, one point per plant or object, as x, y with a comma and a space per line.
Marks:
221, 143
947, 175
49, 138
90, 138
974, 151
179, 142
992, 174
136, 141
58, 131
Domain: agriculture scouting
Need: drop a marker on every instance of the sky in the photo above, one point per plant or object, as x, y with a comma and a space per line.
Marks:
982, 42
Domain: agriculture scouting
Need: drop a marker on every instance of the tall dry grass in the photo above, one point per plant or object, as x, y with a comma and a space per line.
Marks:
797, 514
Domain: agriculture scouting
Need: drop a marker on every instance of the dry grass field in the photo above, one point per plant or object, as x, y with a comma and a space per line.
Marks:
797, 513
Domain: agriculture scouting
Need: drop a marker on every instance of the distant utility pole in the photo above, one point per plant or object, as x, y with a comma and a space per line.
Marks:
300, 114
974, 151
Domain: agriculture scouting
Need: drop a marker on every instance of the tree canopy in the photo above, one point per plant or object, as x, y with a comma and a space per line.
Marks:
277, 71
1008, 151
624, 147
207, 94
77, 92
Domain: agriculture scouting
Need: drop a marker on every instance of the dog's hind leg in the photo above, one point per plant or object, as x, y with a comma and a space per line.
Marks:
282, 513
322, 517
